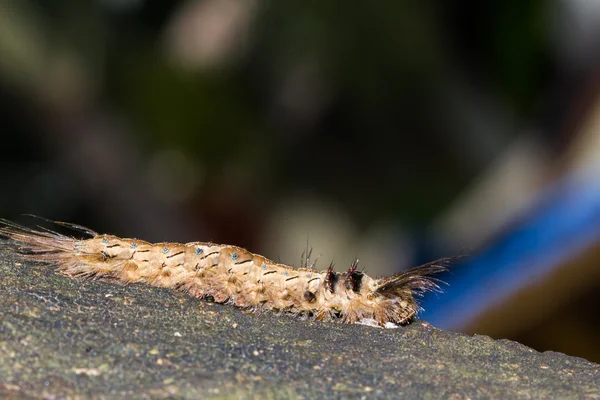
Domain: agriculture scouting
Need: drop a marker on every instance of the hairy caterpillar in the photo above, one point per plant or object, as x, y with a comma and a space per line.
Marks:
230, 274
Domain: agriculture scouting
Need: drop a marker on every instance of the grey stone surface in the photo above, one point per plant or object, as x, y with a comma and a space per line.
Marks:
66, 338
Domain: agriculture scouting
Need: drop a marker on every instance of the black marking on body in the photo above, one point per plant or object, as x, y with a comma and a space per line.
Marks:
243, 262
310, 296
106, 256
113, 245
353, 277
293, 277
176, 254
209, 254
331, 279
269, 272
143, 251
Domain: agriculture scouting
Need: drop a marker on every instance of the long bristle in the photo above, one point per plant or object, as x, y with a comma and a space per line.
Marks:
74, 227
418, 280
38, 245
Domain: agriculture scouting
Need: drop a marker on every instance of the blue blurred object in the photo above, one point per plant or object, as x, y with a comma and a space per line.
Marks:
563, 222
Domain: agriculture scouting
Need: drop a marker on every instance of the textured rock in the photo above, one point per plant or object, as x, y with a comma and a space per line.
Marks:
61, 337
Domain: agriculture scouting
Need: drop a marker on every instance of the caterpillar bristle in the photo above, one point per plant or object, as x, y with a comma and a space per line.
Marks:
418, 280
74, 227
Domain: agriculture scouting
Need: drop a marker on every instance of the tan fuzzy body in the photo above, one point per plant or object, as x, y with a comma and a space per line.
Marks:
230, 274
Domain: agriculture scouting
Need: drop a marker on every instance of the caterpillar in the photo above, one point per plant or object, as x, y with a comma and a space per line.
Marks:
231, 274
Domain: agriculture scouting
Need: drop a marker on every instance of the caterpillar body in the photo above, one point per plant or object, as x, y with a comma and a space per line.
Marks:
230, 274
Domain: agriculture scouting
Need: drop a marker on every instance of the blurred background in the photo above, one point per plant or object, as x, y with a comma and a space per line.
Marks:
395, 133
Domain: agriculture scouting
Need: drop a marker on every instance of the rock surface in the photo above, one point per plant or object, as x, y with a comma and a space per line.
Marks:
61, 337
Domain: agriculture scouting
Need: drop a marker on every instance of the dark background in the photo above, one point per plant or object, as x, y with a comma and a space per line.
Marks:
395, 133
